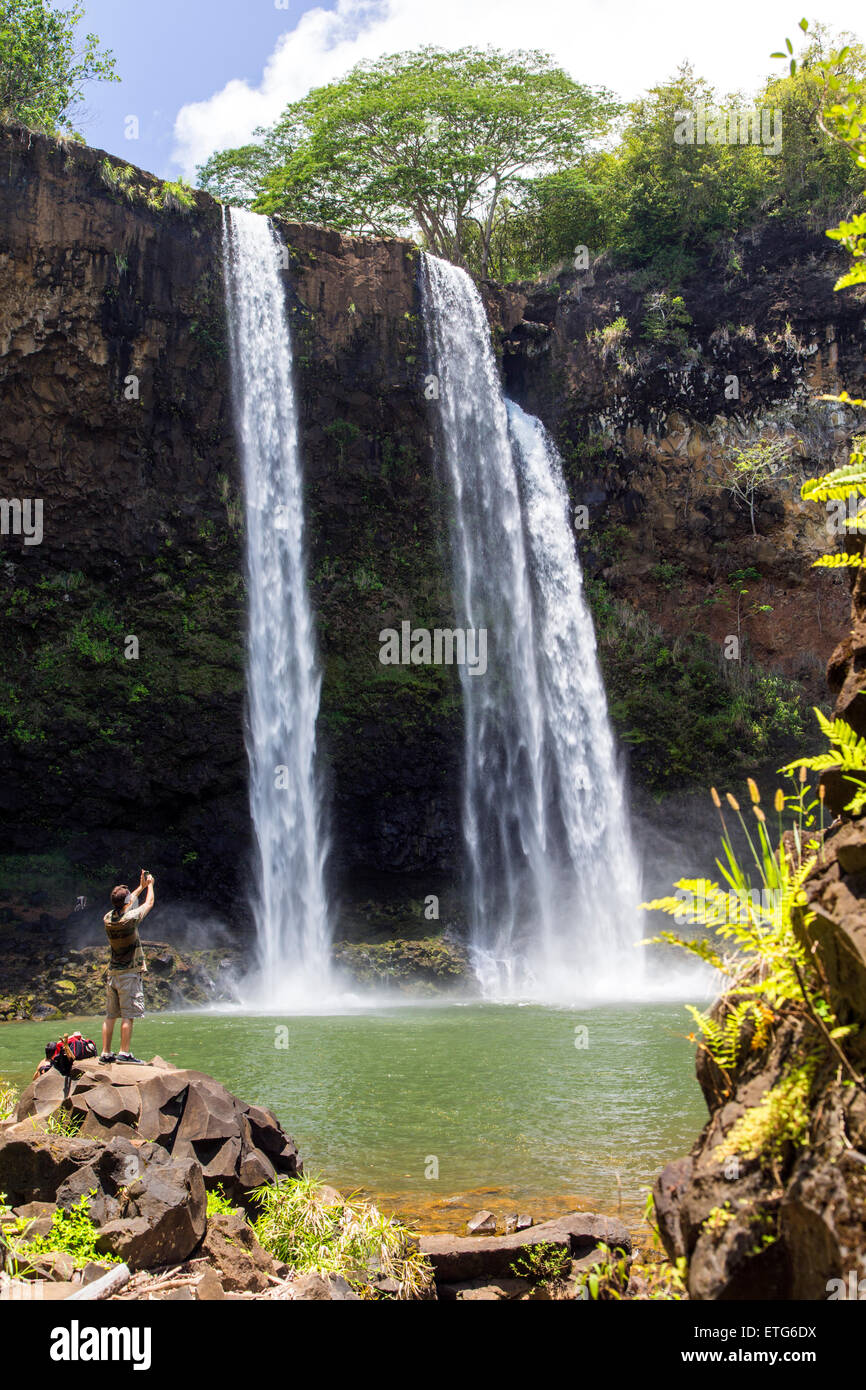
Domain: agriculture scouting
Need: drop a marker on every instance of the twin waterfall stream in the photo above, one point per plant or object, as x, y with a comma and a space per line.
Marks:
283, 679
551, 878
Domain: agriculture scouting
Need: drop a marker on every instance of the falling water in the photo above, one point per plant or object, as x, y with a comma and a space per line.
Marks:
553, 881
283, 679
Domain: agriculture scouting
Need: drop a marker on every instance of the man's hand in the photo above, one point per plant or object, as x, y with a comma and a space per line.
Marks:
148, 902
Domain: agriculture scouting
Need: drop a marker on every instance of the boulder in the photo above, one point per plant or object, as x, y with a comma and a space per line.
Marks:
36, 1211
209, 1288
152, 1137
54, 1266
254, 1169
231, 1247
483, 1223
32, 1168
42, 1096
484, 1291
164, 1213
109, 1104
84, 1182
319, 1287
458, 1259
188, 1113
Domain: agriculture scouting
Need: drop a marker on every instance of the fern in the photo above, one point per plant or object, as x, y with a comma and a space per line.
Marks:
848, 755
841, 482
838, 562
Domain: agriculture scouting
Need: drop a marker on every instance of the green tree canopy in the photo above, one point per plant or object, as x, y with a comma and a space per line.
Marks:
44, 67
429, 139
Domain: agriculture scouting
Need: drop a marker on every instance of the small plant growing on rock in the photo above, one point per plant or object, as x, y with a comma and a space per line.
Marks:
218, 1204
752, 468
301, 1223
119, 179
72, 1232
543, 1264
666, 319
8, 1099
65, 1121
177, 196
608, 1279
611, 339
719, 1218
781, 1117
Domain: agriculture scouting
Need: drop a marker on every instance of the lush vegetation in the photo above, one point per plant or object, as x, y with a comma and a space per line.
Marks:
754, 929
44, 66
679, 704
72, 1232
756, 924
502, 163
8, 1099
442, 140
310, 1227
843, 118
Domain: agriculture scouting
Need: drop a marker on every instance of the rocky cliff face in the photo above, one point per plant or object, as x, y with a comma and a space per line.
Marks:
789, 1221
117, 416
646, 404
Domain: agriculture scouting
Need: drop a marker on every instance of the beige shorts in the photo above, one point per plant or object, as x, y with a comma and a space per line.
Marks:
124, 996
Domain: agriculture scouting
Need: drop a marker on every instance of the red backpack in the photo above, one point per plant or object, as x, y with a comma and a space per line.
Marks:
57, 1055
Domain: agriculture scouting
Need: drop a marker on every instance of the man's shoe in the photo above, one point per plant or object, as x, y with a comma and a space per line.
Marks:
128, 1057
108, 1057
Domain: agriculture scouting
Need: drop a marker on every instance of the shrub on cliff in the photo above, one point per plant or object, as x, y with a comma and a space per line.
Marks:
679, 705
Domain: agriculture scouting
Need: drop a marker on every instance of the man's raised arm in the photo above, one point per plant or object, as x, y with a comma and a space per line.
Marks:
148, 902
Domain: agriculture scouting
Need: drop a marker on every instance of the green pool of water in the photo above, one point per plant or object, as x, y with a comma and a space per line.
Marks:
496, 1099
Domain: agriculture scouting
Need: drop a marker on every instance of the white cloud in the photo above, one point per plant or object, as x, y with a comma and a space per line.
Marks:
627, 45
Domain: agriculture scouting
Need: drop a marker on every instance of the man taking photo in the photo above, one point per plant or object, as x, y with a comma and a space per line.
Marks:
125, 993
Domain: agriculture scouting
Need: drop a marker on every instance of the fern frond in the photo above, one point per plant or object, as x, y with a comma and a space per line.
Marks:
843, 399
837, 562
839, 482
701, 948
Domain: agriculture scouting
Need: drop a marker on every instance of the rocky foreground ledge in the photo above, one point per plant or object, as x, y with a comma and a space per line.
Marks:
145, 1145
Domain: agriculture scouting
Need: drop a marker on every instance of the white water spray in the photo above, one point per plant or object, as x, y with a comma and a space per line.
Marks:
553, 879
283, 679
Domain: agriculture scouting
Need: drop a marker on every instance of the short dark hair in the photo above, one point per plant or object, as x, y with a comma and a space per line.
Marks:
119, 895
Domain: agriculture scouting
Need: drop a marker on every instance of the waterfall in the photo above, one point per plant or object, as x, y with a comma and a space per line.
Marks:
553, 884
283, 680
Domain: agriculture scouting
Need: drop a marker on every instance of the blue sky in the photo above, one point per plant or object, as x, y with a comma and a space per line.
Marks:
200, 75
169, 53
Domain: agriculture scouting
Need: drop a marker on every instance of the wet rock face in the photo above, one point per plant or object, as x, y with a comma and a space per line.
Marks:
646, 431
780, 1225
48, 977
117, 414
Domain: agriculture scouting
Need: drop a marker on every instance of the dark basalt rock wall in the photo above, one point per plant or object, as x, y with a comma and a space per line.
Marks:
113, 762
645, 428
